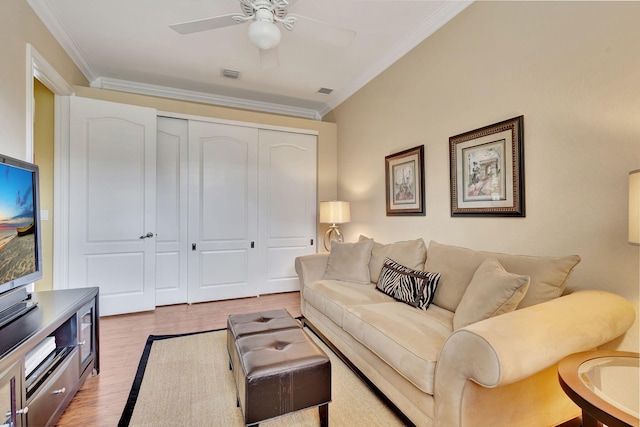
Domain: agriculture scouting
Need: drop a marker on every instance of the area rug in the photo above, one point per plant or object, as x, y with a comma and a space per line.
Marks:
185, 380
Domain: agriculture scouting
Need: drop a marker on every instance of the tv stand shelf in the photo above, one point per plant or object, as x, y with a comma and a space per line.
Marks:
70, 317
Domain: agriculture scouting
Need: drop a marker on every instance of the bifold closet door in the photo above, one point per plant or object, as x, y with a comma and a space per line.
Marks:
171, 210
223, 165
286, 206
112, 203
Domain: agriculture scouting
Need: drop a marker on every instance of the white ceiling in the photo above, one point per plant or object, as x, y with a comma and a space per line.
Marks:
127, 45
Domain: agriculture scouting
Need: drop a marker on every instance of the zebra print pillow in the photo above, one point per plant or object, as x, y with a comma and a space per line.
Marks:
405, 284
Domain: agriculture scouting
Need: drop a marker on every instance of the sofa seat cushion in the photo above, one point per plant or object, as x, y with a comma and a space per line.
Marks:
333, 297
409, 340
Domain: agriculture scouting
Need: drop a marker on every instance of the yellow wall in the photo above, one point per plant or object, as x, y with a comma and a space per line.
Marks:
572, 70
43, 157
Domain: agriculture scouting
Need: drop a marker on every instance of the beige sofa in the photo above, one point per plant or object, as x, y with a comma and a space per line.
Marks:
484, 352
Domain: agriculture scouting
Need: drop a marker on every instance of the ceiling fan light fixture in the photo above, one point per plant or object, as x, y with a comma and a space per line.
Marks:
264, 34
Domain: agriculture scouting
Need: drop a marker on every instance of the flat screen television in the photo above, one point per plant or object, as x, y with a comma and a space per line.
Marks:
20, 240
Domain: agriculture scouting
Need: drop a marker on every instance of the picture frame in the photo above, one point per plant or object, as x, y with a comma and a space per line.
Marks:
404, 172
487, 170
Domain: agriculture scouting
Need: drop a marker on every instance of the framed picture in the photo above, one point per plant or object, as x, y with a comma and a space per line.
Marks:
487, 170
405, 182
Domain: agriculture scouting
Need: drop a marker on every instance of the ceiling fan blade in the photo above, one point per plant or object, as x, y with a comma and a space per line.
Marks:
323, 31
269, 58
205, 24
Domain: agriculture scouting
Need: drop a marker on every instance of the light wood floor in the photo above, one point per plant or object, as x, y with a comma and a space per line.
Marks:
100, 401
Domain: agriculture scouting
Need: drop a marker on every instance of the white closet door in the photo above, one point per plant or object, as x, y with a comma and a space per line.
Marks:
222, 211
171, 211
287, 206
112, 203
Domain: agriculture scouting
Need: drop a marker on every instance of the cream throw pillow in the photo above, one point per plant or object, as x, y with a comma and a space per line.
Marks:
349, 262
410, 253
491, 292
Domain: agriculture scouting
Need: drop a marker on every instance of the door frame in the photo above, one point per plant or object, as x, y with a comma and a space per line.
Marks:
38, 67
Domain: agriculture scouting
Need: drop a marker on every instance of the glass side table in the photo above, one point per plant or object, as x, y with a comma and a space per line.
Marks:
605, 385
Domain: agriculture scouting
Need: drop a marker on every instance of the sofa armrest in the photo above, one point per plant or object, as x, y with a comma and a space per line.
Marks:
511, 347
310, 268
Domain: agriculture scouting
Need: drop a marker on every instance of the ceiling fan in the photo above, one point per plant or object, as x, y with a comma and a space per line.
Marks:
263, 31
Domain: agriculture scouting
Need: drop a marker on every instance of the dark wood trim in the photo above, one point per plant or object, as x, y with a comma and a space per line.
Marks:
576, 422
593, 407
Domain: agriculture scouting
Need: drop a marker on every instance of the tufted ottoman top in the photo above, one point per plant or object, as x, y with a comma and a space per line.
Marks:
240, 325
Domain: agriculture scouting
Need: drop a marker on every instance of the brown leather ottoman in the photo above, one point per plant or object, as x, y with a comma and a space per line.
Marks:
281, 372
239, 325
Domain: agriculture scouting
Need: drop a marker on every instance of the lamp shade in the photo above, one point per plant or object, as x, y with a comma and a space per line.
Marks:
634, 207
335, 212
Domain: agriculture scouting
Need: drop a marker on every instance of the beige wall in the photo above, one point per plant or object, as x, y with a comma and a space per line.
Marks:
19, 26
572, 70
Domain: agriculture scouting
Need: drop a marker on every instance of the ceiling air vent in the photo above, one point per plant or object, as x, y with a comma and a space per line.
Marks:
230, 74
325, 90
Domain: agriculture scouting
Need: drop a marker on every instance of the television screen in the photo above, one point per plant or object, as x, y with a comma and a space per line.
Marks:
20, 258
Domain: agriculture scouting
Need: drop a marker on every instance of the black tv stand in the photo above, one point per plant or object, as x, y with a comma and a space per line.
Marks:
46, 354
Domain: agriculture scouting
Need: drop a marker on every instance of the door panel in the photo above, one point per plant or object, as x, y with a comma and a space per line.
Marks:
128, 278
234, 271
112, 203
171, 211
115, 159
222, 211
225, 181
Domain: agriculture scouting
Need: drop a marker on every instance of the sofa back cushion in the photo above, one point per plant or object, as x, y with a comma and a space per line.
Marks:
410, 253
457, 266
349, 262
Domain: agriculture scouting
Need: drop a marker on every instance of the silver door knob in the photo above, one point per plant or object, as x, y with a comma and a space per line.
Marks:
146, 236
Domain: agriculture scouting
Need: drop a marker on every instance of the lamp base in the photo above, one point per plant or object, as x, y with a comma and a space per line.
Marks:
333, 233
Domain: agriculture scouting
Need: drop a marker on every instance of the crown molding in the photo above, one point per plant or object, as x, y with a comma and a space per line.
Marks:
202, 97
60, 33
435, 21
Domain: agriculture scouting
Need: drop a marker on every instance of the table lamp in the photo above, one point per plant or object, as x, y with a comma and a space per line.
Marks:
334, 212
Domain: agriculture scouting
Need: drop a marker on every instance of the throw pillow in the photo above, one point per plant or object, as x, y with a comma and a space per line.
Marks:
349, 262
413, 287
492, 291
410, 253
